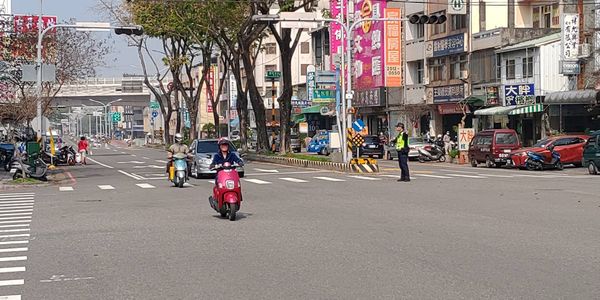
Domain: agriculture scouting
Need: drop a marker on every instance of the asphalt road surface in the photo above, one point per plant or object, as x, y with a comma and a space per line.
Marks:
117, 229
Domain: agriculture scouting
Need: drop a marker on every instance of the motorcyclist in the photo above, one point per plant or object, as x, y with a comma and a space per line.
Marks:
177, 148
225, 155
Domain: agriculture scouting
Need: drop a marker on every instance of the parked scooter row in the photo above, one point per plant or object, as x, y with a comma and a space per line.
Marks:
65, 156
22, 166
434, 151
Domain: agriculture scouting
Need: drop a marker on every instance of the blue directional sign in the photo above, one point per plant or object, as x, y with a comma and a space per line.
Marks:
358, 125
154, 114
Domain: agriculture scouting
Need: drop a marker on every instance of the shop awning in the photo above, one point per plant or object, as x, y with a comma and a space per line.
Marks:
476, 100
316, 109
573, 97
527, 109
299, 118
496, 110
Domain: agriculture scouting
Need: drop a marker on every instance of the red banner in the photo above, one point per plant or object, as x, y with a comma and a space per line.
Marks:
27, 24
210, 89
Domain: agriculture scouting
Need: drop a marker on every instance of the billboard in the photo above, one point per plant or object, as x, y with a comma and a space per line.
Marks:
29, 23
570, 37
369, 45
393, 48
336, 32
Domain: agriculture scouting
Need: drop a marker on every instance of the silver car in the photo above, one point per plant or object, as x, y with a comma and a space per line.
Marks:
203, 151
414, 143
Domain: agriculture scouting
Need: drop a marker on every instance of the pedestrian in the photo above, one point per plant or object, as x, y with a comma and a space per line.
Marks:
447, 143
82, 148
401, 142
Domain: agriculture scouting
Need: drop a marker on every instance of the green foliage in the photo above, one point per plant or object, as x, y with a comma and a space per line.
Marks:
209, 129
454, 153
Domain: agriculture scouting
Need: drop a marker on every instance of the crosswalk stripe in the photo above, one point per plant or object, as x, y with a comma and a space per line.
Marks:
14, 225
257, 181
106, 187
145, 185
13, 250
365, 177
465, 176
14, 230
16, 204
330, 179
293, 179
13, 210
431, 176
266, 170
15, 218
11, 297
65, 188
16, 194
13, 258
11, 270
13, 200
12, 282
391, 176
14, 242
498, 176
15, 214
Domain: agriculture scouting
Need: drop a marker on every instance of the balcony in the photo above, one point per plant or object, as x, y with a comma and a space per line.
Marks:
500, 37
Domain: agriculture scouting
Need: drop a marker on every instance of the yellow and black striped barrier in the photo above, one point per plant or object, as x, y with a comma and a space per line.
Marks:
364, 165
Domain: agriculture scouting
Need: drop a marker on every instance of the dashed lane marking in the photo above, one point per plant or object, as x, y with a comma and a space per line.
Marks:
145, 185
99, 163
65, 189
187, 184
257, 181
364, 177
432, 176
106, 187
293, 179
161, 161
465, 176
330, 179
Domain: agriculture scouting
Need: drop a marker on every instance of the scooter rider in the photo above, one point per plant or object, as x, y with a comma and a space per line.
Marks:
177, 148
225, 155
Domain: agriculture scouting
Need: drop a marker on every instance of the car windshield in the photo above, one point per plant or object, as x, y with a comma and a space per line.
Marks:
542, 143
415, 140
211, 147
371, 139
506, 138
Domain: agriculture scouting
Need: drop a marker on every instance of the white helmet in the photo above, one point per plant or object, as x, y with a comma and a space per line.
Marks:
178, 138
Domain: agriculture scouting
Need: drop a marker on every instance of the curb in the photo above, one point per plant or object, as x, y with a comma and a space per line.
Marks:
289, 161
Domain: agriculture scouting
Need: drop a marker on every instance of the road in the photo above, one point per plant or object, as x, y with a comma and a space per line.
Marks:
118, 230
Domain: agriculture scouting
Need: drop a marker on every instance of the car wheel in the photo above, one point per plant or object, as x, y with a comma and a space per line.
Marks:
473, 162
592, 168
380, 156
488, 162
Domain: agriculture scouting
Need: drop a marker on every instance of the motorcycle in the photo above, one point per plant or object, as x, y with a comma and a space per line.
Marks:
227, 192
20, 168
178, 171
432, 152
7, 151
65, 156
537, 161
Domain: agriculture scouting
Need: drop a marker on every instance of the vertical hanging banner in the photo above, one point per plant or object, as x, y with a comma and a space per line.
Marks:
336, 32
393, 48
570, 36
369, 64
210, 89
310, 82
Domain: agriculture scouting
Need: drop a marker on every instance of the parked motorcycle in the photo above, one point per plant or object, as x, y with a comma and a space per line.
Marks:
227, 192
178, 171
21, 168
537, 161
64, 156
432, 152
7, 151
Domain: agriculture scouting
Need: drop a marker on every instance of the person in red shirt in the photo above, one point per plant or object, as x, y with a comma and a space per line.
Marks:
82, 148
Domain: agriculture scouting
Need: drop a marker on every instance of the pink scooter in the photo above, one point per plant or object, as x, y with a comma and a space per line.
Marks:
227, 192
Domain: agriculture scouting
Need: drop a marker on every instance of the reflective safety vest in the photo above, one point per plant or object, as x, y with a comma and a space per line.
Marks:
400, 142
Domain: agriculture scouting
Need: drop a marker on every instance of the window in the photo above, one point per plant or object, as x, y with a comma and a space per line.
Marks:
437, 69
418, 31
458, 64
527, 67
439, 28
510, 69
304, 47
271, 48
303, 68
420, 72
211, 147
459, 22
506, 138
546, 16
498, 67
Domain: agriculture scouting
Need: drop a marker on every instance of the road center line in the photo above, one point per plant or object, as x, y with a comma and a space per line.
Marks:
129, 175
99, 163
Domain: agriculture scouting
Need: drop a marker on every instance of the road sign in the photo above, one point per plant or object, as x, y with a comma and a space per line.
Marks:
154, 114
273, 74
154, 105
358, 125
116, 117
358, 140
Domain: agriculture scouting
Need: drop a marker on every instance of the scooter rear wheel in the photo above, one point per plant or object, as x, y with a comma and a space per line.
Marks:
559, 166
442, 158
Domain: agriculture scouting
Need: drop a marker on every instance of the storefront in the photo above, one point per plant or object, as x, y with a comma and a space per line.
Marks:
526, 120
370, 106
449, 113
573, 111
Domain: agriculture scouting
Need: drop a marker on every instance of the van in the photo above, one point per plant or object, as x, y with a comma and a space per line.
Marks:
319, 143
493, 147
591, 153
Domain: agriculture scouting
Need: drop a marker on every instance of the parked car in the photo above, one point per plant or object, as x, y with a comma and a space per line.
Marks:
295, 144
319, 143
372, 146
493, 147
414, 143
591, 153
570, 148
203, 151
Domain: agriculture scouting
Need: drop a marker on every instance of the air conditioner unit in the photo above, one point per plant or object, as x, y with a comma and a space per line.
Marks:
464, 74
585, 50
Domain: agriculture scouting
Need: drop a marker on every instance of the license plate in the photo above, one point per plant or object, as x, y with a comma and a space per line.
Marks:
503, 155
372, 146
506, 150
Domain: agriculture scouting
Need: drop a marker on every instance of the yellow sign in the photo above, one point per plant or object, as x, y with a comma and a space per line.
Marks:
52, 151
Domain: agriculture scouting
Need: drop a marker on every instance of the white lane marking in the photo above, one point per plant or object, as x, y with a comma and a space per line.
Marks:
187, 184
330, 179
115, 150
391, 176
14, 230
465, 176
135, 162
106, 187
287, 173
12, 270
11, 297
15, 214
149, 166
15, 218
257, 181
13, 258
145, 157
130, 175
13, 250
494, 175
266, 170
14, 210
15, 204
293, 179
123, 152
133, 155
145, 185
14, 242
65, 188
364, 177
14, 225
14, 200
457, 171
16, 194
99, 163
12, 282
161, 161
431, 176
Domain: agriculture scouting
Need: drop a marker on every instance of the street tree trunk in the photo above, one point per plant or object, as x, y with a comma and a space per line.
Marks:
258, 106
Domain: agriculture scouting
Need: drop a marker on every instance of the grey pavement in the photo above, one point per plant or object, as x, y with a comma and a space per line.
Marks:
116, 229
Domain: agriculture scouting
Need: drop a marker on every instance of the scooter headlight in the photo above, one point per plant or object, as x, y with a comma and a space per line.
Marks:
230, 184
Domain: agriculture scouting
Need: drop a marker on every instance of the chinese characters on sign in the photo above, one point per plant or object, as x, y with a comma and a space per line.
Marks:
210, 89
465, 135
372, 97
393, 57
368, 47
570, 36
449, 45
26, 24
491, 93
450, 93
519, 94
336, 33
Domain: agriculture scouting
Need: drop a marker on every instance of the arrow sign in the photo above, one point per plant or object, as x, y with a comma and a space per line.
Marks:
358, 125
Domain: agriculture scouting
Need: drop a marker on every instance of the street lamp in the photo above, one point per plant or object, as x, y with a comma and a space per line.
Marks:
106, 107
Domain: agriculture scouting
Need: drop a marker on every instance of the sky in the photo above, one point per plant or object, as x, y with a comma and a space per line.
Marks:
122, 59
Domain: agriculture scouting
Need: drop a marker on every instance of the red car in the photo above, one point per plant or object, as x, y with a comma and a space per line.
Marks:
570, 148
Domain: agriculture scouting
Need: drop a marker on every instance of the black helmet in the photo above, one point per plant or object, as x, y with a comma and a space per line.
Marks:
223, 141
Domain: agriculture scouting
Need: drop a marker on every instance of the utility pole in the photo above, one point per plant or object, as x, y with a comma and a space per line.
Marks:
273, 95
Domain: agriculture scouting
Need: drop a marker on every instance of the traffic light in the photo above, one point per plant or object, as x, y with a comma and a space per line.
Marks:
129, 30
427, 19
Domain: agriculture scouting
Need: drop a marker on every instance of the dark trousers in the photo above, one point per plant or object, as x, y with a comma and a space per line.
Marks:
403, 162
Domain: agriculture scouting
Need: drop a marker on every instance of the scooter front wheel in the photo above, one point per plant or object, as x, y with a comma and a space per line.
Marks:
232, 211
559, 166
421, 159
442, 158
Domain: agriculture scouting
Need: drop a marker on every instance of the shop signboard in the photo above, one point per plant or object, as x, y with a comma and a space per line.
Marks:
519, 94
393, 48
449, 93
369, 64
336, 32
570, 36
465, 135
450, 45
491, 95
371, 97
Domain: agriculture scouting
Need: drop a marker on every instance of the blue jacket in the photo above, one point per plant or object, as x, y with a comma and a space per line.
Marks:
232, 158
